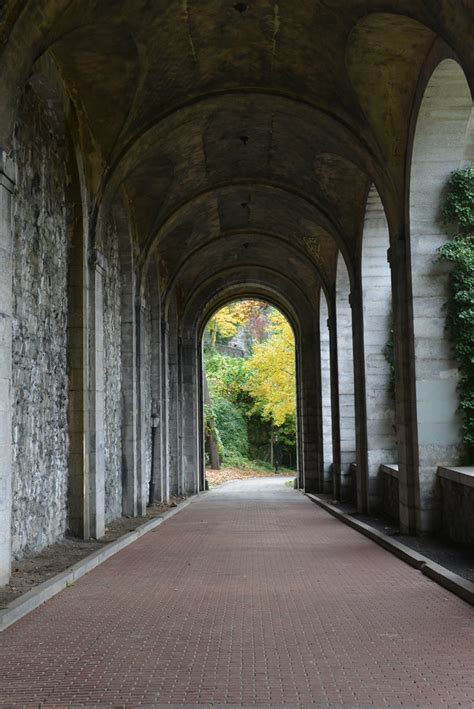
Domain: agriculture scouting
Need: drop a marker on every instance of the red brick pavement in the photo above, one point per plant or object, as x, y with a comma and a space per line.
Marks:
253, 595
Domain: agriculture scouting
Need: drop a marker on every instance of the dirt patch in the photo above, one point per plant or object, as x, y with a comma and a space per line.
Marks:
33, 569
217, 477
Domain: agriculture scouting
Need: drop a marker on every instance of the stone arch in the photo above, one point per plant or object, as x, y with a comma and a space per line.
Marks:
345, 366
378, 344
439, 147
256, 282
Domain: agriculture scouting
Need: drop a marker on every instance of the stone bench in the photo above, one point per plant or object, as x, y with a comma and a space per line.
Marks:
457, 484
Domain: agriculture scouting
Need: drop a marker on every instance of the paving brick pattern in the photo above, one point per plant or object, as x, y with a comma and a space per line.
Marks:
252, 595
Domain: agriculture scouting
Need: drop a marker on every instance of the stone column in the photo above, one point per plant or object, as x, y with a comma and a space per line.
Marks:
173, 408
360, 406
97, 397
164, 428
6, 191
129, 398
190, 440
311, 411
141, 490
78, 370
157, 490
299, 418
345, 366
335, 418
405, 403
326, 397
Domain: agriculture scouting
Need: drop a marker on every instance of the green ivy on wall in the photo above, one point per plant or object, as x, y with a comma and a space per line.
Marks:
458, 215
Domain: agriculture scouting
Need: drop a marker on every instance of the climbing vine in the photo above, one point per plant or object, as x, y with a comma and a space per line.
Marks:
458, 215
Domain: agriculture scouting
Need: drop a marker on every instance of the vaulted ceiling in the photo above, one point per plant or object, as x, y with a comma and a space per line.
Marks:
239, 131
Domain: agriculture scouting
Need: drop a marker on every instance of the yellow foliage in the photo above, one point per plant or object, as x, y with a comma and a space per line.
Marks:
227, 320
271, 370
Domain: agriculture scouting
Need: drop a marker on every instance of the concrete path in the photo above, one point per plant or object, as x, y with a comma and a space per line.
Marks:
253, 595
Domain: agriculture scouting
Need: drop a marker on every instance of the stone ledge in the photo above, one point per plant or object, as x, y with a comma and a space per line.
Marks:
453, 582
389, 469
462, 475
26, 603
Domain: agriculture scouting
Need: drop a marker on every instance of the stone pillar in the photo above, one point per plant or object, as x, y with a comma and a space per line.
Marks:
173, 407
360, 401
141, 489
312, 411
405, 404
6, 191
326, 397
299, 417
129, 397
335, 418
345, 366
190, 440
156, 402
97, 397
164, 428
78, 370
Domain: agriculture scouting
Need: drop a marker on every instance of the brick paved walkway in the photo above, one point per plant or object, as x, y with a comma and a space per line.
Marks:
252, 595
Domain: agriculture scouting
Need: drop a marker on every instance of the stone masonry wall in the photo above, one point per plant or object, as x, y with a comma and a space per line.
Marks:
113, 375
148, 386
40, 380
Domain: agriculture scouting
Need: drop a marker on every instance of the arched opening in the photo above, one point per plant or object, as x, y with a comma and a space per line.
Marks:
326, 403
248, 391
440, 146
345, 362
378, 359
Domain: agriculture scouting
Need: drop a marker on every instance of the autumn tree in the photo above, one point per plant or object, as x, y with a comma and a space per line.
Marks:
271, 373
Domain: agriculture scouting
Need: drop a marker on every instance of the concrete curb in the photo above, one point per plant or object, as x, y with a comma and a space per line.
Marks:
453, 582
26, 603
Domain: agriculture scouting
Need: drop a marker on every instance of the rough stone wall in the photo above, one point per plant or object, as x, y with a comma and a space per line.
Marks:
40, 379
458, 511
148, 388
108, 245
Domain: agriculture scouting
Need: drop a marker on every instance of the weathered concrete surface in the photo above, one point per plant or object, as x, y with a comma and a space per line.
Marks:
377, 301
39, 362
251, 596
439, 147
112, 306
